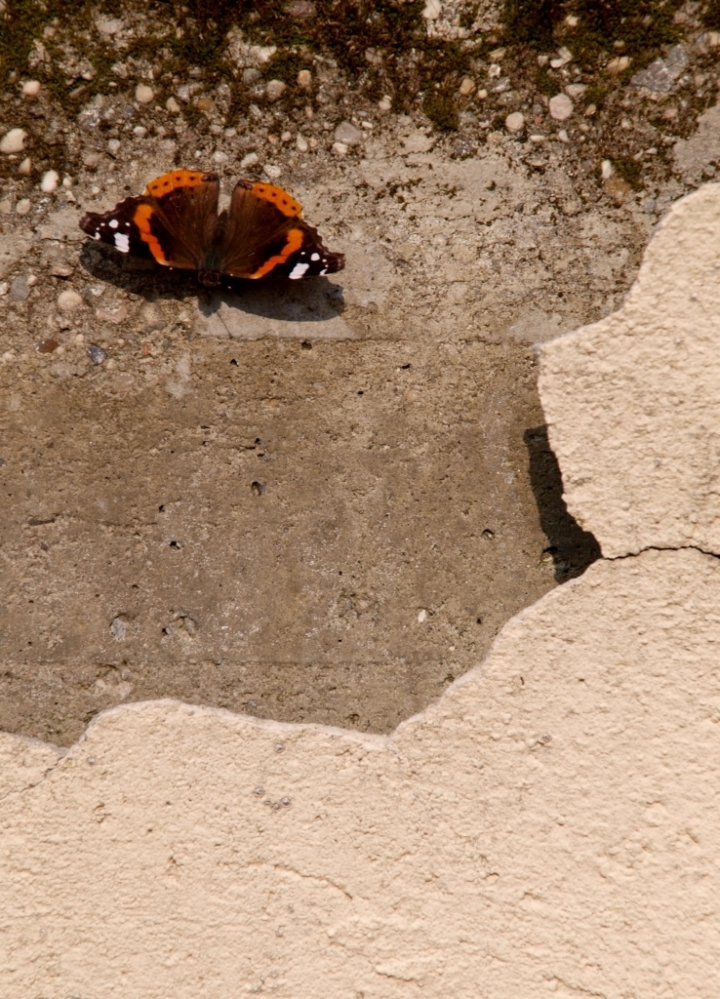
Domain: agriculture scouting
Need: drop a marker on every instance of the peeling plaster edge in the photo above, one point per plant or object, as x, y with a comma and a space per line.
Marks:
370, 741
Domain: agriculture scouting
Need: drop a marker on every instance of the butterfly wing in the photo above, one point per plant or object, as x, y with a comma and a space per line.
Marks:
173, 222
264, 233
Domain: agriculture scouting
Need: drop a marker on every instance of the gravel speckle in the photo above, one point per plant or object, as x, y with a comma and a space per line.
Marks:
69, 300
144, 94
50, 181
275, 89
47, 346
19, 289
515, 121
348, 134
13, 141
561, 107
96, 354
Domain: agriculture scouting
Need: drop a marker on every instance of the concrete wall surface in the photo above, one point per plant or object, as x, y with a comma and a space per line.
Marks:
549, 827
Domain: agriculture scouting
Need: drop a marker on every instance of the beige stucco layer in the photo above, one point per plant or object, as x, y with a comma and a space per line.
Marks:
549, 827
633, 402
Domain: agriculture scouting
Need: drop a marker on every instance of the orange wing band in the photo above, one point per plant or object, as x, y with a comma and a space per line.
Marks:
141, 218
168, 182
294, 242
285, 202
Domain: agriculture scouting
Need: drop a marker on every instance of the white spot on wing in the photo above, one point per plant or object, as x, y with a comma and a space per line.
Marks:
122, 242
113, 223
315, 256
298, 271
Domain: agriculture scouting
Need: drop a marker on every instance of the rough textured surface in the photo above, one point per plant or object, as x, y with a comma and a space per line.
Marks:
633, 402
384, 425
549, 827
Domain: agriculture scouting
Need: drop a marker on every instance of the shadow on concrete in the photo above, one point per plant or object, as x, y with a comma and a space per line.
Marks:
571, 548
276, 298
314, 300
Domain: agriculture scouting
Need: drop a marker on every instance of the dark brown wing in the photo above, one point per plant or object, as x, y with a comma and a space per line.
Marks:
173, 221
264, 233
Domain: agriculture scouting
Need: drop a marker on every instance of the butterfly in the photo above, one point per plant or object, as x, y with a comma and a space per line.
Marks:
176, 223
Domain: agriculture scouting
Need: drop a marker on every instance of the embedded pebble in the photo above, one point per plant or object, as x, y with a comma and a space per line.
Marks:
275, 89
19, 289
61, 269
116, 316
575, 90
250, 160
69, 300
172, 106
109, 25
301, 10
205, 104
304, 79
13, 141
50, 181
31, 88
347, 134
301, 144
515, 121
561, 107
339, 148
385, 103
23, 206
91, 161
144, 94
251, 76
96, 354
467, 86
272, 171
113, 146
619, 64
25, 168
47, 346
563, 57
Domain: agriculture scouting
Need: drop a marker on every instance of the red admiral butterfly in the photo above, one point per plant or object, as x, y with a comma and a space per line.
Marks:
176, 223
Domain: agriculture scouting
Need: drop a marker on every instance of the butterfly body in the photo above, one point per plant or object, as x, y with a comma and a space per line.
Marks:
176, 223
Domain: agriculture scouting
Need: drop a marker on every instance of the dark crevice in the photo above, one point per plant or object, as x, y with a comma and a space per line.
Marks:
571, 548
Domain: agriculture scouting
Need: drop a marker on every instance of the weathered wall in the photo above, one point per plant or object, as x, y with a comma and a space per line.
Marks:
549, 826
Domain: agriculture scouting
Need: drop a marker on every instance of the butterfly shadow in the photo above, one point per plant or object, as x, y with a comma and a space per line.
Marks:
238, 308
